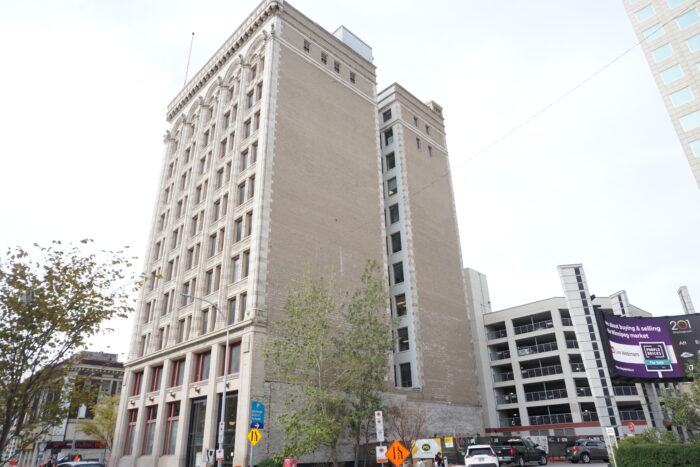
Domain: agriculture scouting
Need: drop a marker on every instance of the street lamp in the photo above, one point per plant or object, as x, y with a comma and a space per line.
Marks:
222, 424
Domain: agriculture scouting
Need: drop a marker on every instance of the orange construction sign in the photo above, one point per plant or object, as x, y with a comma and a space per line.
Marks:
397, 453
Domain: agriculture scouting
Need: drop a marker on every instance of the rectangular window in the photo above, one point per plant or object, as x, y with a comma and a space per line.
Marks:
190, 258
234, 359
220, 177
209, 282
253, 72
180, 331
241, 193
324, 58
398, 273
307, 46
675, 3
245, 263
695, 147
396, 242
238, 230
402, 334
156, 374
232, 311
248, 223
201, 371
251, 187
171, 423
669, 75
417, 143
391, 186
693, 43
236, 269
250, 99
645, 13
258, 91
177, 376
353, 79
390, 161
336, 66
244, 305
393, 213
405, 371
256, 121
662, 53
205, 321
681, 97
254, 153
198, 194
222, 147
136, 386
247, 128
388, 137
690, 121
149, 430
202, 164
653, 33
688, 19
400, 303
227, 119
415, 121
244, 160
427, 129
130, 429
212, 244
386, 115
430, 151
183, 181
216, 212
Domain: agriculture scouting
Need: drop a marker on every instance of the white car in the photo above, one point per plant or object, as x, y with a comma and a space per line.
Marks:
480, 455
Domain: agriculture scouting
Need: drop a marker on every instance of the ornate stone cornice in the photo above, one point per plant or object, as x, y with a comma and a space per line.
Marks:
264, 11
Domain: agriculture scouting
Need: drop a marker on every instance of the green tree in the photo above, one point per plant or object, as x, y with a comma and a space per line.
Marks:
364, 349
52, 300
683, 406
101, 427
334, 354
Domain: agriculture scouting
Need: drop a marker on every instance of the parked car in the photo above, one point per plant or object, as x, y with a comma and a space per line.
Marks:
585, 450
481, 455
81, 464
520, 451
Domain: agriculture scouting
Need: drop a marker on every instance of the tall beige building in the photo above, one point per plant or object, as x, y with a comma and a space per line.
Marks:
273, 165
669, 31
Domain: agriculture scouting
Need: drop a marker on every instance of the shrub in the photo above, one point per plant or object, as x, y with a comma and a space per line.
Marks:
658, 455
269, 463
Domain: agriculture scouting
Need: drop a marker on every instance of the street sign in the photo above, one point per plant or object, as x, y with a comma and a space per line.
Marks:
219, 454
379, 425
381, 455
397, 453
254, 436
257, 414
630, 425
449, 442
221, 432
210, 455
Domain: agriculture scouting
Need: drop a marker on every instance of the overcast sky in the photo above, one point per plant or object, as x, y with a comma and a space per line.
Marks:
599, 178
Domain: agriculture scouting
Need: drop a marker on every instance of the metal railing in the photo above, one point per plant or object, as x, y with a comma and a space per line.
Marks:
627, 415
506, 398
625, 390
505, 376
512, 421
533, 349
577, 367
551, 419
502, 355
589, 416
583, 392
545, 395
532, 327
567, 322
497, 334
542, 371
571, 344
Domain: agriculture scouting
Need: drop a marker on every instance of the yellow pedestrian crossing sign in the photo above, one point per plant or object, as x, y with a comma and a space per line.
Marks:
254, 436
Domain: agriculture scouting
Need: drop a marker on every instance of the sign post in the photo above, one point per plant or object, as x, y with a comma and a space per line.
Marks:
630, 426
397, 453
379, 428
257, 420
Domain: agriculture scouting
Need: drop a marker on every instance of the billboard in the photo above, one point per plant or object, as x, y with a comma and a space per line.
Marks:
644, 349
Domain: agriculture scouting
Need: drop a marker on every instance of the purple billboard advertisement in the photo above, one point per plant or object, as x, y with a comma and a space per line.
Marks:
650, 348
